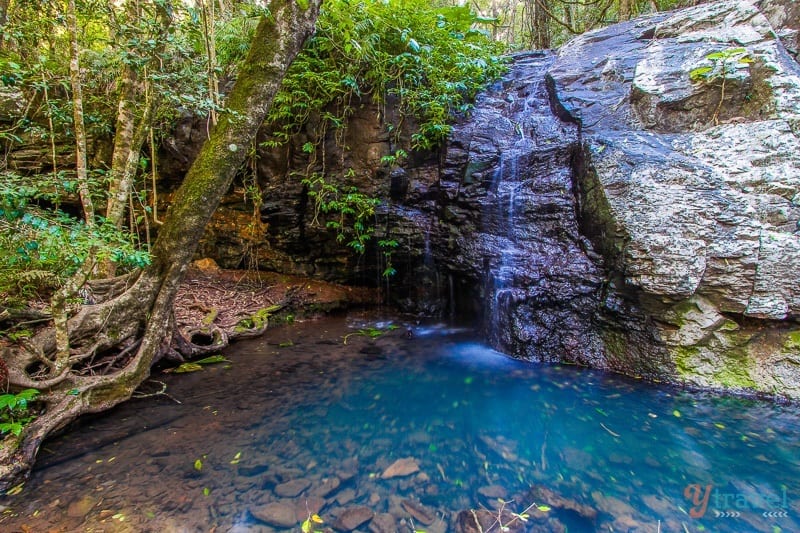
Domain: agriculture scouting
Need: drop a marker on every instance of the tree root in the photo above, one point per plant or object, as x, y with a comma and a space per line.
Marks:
110, 356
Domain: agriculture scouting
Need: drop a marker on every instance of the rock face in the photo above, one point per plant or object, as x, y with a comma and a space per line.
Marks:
784, 15
507, 204
486, 228
694, 202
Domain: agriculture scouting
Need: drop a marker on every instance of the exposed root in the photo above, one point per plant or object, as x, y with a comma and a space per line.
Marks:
206, 340
113, 343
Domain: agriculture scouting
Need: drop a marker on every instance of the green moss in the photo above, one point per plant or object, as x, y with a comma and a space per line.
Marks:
735, 372
792, 340
728, 325
677, 313
684, 357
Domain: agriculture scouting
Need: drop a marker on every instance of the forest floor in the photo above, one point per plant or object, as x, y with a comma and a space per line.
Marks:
225, 297
210, 295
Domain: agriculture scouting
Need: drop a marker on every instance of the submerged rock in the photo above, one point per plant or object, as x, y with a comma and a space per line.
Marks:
352, 518
692, 192
279, 514
383, 523
81, 507
419, 512
292, 488
401, 468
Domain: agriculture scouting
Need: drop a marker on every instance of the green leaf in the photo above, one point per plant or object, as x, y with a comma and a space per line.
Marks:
187, 367
198, 465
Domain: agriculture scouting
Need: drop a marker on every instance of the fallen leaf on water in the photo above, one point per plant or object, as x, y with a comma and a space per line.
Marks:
15, 490
185, 367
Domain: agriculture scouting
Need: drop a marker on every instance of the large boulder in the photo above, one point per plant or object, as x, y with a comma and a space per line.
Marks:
690, 186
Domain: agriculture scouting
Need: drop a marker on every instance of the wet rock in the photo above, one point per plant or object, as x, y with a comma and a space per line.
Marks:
624, 516
81, 507
577, 459
346, 496
348, 471
401, 468
352, 518
284, 473
542, 495
309, 506
279, 514
419, 512
293, 488
383, 523
395, 506
493, 492
371, 349
326, 487
659, 505
249, 528
504, 450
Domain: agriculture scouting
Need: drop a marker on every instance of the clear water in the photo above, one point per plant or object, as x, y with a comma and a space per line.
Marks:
601, 452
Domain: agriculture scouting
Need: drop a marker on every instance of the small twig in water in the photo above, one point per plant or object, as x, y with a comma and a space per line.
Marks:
609, 431
543, 456
162, 392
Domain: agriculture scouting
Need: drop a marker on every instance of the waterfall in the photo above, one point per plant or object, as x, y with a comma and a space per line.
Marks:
539, 288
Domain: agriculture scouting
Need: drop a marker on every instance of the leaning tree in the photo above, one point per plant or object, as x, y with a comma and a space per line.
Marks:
93, 358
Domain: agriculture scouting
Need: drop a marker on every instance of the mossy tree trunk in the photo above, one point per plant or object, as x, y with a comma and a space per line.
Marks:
131, 127
114, 343
77, 114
